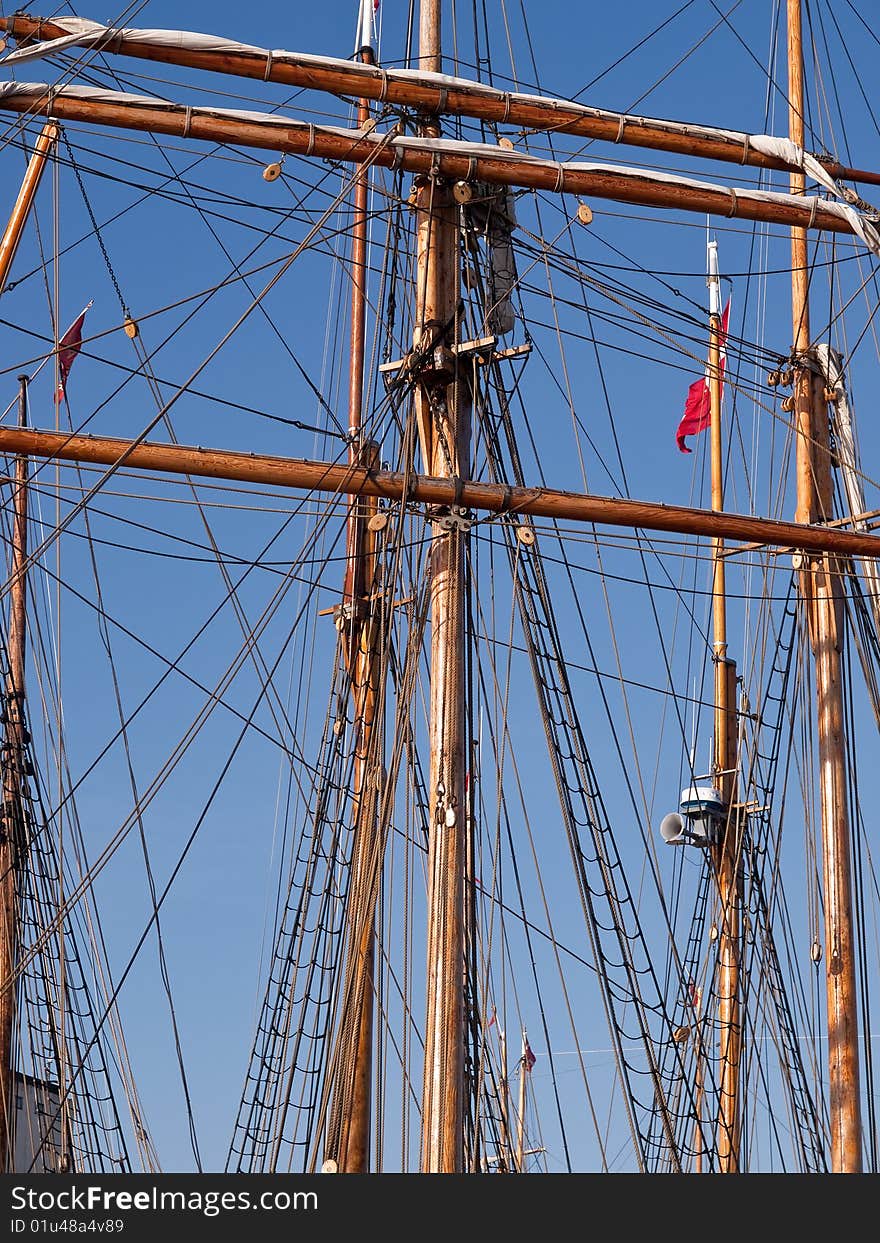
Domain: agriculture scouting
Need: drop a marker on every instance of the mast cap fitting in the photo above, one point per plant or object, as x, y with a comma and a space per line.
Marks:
701, 798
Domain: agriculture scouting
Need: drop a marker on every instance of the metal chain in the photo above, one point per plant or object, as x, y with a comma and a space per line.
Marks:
97, 231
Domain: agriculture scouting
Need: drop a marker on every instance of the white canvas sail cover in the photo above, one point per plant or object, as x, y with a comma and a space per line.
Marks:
86, 33
797, 157
862, 226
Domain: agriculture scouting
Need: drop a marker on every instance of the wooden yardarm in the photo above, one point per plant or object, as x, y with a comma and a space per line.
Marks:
442, 398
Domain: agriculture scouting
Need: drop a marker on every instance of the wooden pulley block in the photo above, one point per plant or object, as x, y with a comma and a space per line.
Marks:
462, 192
271, 172
505, 143
585, 213
130, 328
378, 522
525, 535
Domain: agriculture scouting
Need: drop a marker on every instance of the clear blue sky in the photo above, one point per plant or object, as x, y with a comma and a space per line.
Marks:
161, 251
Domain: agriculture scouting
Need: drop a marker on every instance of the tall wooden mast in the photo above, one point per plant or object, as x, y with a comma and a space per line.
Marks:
349, 1129
725, 852
443, 414
820, 584
12, 824
14, 734
442, 406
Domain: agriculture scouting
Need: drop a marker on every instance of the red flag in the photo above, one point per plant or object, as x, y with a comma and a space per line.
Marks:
68, 348
493, 1019
529, 1058
697, 409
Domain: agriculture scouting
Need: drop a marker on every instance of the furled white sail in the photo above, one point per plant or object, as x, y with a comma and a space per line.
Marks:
485, 153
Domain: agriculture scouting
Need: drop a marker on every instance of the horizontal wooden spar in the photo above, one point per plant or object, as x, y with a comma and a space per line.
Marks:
425, 92
444, 157
394, 486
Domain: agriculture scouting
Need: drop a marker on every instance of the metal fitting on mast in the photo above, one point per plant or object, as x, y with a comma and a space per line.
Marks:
713, 280
366, 38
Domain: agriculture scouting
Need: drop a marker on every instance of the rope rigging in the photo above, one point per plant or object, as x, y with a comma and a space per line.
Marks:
586, 675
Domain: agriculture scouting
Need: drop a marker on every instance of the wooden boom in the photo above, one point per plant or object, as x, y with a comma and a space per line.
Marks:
433, 93
496, 498
440, 157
